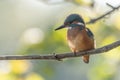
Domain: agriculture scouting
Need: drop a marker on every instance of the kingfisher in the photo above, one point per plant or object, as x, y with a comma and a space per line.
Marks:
79, 37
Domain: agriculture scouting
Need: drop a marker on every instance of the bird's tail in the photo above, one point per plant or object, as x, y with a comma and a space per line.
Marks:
86, 58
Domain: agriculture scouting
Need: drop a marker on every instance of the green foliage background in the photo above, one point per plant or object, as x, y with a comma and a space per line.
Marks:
27, 27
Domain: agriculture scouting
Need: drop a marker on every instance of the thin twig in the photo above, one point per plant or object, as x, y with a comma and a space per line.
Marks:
61, 56
104, 15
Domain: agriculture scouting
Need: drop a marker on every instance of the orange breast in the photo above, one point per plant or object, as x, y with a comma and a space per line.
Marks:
79, 40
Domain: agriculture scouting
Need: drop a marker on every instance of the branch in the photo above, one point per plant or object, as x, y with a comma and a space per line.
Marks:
104, 15
62, 56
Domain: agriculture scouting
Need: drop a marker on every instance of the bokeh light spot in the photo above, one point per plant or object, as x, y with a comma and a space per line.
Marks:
33, 36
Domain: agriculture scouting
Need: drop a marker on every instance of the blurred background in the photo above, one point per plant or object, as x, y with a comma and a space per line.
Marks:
27, 27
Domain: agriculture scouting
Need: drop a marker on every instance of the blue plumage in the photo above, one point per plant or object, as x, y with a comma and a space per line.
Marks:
90, 34
74, 17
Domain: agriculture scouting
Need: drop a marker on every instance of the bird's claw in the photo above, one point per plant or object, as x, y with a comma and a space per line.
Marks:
75, 54
56, 57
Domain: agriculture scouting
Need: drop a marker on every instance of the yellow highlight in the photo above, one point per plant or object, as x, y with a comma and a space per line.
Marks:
117, 21
34, 76
19, 66
7, 77
85, 2
79, 1
113, 56
108, 40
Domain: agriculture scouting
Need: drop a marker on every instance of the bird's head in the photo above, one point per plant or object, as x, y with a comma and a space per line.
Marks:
72, 21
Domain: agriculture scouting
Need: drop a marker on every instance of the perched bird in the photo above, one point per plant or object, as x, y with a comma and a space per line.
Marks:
79, 37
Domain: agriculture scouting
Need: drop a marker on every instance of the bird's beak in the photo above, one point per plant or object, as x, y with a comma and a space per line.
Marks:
63, 26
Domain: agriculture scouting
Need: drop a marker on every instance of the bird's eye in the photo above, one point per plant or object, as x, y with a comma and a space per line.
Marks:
71, 22
67, 23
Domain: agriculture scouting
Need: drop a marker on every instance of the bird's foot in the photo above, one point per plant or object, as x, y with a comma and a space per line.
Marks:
75, 54
56, 57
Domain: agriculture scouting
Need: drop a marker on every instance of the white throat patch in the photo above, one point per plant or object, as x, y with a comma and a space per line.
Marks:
80, 24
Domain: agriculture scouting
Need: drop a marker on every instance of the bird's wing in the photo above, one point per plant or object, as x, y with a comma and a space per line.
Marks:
90, 34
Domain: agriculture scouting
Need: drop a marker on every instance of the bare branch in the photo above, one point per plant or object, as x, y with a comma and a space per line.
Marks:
110, 5
61, 56
104, 15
